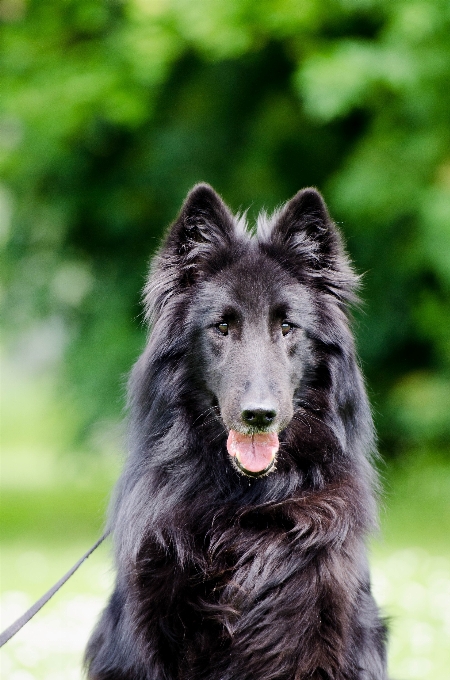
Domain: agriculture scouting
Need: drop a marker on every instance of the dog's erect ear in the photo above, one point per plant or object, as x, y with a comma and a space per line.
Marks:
305, 220
305, 230
204, 224
197, 244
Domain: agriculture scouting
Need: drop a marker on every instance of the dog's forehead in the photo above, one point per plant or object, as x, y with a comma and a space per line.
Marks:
255, 283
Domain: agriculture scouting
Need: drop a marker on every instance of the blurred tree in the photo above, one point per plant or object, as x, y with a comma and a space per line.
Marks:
111, 110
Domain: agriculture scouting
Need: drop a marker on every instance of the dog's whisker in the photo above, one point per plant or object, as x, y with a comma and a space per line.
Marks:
308, 414
224, 431
211, 420
302, 420
204, 413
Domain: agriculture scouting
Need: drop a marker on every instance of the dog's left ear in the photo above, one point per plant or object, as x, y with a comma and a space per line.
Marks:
305, 230
305, 220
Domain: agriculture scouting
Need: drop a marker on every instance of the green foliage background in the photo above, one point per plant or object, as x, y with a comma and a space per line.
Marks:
111, 111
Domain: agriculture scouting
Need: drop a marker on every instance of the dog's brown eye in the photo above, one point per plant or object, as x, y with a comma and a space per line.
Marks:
223, 328
286, 327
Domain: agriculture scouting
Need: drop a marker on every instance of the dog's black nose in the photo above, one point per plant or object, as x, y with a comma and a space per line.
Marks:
258, 417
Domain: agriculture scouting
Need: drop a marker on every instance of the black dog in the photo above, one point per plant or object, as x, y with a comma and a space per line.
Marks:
239, 521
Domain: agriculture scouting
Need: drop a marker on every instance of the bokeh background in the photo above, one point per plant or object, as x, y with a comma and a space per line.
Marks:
109, 112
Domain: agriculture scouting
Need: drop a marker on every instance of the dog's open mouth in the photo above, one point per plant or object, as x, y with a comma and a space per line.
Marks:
253, 454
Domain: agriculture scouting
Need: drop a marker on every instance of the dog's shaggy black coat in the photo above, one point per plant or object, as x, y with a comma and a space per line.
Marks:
220, 575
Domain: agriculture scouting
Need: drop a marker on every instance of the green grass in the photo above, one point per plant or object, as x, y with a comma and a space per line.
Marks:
413, 588
51, 646
415, 508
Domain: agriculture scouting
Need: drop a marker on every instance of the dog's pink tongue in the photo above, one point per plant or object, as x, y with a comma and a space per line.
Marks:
254, 452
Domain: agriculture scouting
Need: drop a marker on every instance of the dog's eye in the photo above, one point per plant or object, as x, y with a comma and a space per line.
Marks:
286, 327
222, 328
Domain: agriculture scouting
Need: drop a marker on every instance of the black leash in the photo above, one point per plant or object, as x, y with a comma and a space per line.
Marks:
21, 621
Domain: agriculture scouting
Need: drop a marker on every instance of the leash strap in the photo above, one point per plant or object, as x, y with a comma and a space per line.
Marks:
22, 620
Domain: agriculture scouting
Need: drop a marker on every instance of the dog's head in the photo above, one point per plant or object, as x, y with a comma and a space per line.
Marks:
254, 306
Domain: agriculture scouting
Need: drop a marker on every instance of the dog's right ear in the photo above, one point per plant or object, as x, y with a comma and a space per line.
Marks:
195, 245
203, 226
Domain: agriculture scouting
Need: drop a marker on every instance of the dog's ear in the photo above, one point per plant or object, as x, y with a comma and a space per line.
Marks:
304, 220
203, 226
313, 243
197, 243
